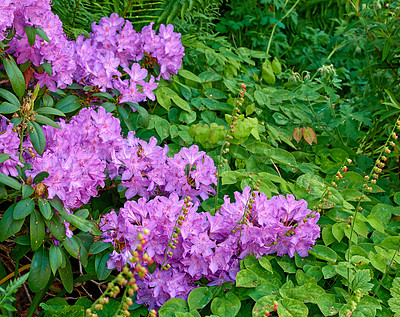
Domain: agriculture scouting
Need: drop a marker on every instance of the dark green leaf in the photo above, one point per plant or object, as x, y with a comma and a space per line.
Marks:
44, 120
51, 111
4, 157
27, 191
15, 75
9, 181
9, 96
37, 230
37, 137
23, 208
8, 225
40, 271
99, 246
67, 277
56, 227
57, 258
31, 34
101, 265
42, 34
40, 177
7, 107
68, 104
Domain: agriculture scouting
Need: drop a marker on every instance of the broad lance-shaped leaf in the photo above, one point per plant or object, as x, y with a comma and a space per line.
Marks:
8, 225
15, 75
37, 137
9, 181
23, 208
40, 270
37, 230
80, 223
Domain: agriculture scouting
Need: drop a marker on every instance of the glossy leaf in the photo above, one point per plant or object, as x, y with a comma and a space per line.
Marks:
40, 271
15, 75
37, 230
23, 208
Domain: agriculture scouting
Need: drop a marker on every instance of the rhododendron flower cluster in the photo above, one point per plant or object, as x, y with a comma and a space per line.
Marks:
105, 58
206, 245
89, 148
115, 56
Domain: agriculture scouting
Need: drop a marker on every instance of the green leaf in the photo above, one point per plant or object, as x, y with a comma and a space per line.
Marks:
263, 305
378, 261
360, 281
281, 156
40, 271
101, 265
50, 111
23, 208
162, 128
327, 235
40, 177
67, 277
338, 231
56, 227
37, 230
45, 208
383, 212
288, 307
31, 35
44, 120
68, 104
7, 107
73, 246
375, 223
57, 258
265, 263
99, 246
10, 97
394, 301
227, 306
209, 77
47, 101
189, 75
181, 103
324, 253
48, 67
142, 111
328, 305
163, 99
36, 135
9, 181
306, 293
42, 34
16, 77
27, 191
8, 225
247, 278
174, 304
199, 298
84, 224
